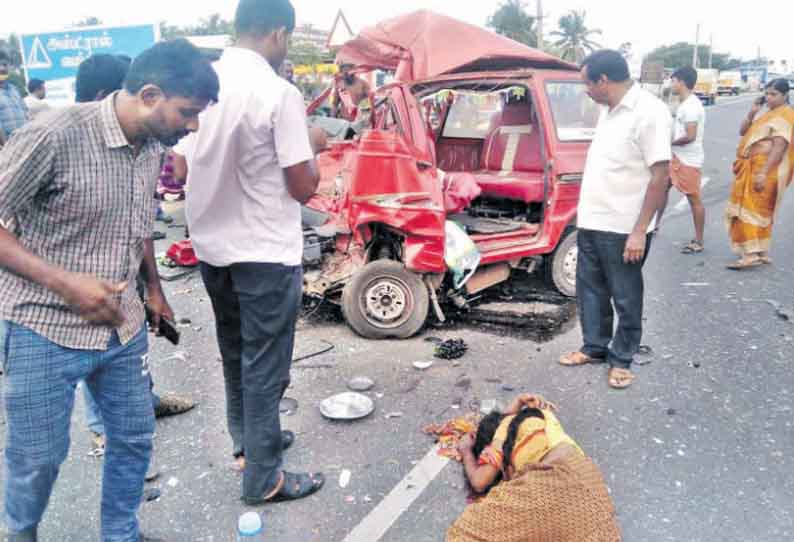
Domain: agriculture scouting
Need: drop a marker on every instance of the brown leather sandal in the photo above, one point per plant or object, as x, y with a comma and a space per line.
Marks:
745, 263
573, 359
620, 379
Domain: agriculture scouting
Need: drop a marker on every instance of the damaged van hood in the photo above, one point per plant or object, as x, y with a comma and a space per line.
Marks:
423, 45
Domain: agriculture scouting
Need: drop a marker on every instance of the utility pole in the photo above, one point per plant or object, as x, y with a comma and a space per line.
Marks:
540, 24
697, 44
711, 49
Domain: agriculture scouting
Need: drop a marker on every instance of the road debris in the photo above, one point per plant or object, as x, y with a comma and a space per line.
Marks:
391, 415
361, 383
449, 434
451, 349
288, 406
463, 382
173, 481
344, 478
347, 406
151, 494
422, 365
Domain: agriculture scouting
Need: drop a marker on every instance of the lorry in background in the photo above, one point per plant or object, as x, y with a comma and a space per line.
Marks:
730, 83
706, 87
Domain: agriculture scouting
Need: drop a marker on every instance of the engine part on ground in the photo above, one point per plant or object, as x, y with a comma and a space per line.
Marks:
451, 349
182, 254
488, 276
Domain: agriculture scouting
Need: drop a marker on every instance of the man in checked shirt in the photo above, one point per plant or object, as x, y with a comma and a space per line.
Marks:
79, 190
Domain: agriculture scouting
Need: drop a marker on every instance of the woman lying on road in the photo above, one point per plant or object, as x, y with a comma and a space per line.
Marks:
764, 166
537, 483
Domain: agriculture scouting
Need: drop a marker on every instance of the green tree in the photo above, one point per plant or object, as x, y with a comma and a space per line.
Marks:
681, 53
11, 46
574, 36
306, 53
208, 26
512, 20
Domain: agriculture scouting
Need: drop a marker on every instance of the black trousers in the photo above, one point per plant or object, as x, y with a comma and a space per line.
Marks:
605, 284
256, 307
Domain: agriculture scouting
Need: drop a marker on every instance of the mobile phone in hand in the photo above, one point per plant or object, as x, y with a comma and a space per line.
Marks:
166, 328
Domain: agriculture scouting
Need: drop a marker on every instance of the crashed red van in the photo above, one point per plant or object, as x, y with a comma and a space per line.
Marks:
479, 132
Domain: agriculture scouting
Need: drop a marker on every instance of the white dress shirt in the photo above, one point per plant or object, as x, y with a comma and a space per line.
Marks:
238, 207
628, 141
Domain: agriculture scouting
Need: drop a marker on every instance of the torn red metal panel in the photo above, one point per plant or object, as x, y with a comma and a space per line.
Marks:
417, 47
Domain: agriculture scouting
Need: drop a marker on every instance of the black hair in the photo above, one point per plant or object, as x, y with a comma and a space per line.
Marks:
512, 433
34, 85
178, 68
99, 74
687, 75
606, 62
487, 429
261, 17
781, 85
4, 56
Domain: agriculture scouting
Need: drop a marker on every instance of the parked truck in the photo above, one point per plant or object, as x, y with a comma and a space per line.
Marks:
706, 87
730, 83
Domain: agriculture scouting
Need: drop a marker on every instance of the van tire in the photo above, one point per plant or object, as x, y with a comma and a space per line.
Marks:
560, 266
384, 300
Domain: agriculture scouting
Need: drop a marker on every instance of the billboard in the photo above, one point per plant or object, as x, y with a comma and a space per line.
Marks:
54, 56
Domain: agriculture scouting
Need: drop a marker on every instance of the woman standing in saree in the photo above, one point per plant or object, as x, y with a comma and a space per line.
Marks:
763, 168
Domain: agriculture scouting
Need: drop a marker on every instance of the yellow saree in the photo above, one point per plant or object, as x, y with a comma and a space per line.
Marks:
750, 214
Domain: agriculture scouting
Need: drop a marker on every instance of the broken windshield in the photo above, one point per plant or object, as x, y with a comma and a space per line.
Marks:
575, 114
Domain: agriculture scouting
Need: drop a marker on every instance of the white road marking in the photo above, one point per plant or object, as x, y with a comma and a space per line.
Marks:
682, 204
382, 517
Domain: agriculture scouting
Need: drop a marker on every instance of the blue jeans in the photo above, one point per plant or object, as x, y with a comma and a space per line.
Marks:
605, 284
93, 418
40, 380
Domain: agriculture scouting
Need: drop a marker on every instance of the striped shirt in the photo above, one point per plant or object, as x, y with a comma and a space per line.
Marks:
13, 111
77, 195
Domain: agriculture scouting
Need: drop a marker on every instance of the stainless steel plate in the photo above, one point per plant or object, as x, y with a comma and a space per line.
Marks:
347, 406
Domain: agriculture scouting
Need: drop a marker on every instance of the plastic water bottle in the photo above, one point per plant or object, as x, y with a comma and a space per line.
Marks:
249, 528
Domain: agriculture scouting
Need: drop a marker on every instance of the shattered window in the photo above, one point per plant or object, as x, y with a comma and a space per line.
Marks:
470, 114
575, 114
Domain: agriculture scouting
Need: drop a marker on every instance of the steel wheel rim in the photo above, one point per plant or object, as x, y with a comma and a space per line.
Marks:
569, 266
387, 302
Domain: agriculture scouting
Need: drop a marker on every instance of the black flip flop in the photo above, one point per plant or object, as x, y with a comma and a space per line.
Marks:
296, 486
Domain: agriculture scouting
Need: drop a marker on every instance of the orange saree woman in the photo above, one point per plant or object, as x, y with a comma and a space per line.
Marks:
763, 168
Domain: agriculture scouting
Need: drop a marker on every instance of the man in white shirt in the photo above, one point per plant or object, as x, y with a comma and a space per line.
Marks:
624, 186
249, 168
37, 92
688, 155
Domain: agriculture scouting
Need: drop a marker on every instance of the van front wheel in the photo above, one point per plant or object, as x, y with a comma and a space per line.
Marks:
561, 265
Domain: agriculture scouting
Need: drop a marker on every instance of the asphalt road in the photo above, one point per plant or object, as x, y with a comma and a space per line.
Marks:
699, 449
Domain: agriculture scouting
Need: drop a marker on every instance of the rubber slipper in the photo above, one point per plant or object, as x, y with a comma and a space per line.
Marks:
693, 247
573, 359
620, 379
742, 264
294, 486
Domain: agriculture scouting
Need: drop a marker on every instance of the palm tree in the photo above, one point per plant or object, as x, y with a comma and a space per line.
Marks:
574, 35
